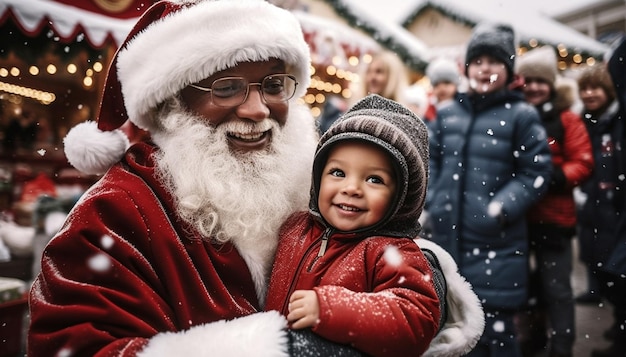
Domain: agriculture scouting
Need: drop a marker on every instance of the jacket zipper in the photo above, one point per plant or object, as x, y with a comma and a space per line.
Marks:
323, 245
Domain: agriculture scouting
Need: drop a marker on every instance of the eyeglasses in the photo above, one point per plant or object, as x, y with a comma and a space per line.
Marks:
233, 91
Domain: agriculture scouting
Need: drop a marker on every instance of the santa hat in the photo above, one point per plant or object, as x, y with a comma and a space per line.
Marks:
539, 63
496, 40
174, 45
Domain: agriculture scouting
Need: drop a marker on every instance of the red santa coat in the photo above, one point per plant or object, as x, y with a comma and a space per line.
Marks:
124, 275
365, 299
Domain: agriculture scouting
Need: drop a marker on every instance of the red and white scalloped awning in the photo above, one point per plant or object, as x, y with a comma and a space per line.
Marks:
325, 36
67, 21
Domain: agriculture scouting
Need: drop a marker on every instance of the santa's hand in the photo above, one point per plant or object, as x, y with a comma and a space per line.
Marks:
304, 309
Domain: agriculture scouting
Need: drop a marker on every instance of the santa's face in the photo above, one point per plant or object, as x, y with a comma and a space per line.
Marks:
253, 109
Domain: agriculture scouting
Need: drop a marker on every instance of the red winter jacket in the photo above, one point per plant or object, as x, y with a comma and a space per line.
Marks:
365, 299
572, 159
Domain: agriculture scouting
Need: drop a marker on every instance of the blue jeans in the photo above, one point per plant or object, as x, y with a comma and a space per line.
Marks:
499, 338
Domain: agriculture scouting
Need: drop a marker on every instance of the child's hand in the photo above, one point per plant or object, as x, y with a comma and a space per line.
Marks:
304, 309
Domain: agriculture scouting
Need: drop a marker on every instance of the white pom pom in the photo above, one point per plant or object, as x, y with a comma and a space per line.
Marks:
93, 151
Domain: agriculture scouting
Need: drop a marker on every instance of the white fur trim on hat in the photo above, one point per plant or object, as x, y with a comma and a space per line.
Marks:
195, 42
260, 335
466, 320
91, 150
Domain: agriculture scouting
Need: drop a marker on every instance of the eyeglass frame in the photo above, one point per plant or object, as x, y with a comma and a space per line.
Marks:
247, 92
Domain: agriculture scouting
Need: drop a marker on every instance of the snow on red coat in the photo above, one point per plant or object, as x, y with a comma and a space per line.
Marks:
365, 299
124, 275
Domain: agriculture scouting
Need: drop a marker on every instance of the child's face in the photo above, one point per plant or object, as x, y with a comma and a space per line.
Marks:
486, 74
357, 186
444, 91
593, 98
536, 90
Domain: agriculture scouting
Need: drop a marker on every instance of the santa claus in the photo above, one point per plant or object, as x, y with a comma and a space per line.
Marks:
169, 253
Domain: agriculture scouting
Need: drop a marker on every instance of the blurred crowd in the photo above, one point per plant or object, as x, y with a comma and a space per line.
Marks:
525, 158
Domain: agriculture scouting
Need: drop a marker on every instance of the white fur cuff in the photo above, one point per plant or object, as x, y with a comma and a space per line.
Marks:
260, 335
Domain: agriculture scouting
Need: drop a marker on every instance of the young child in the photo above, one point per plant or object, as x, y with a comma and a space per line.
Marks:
552, 220
356, 275
445, 78
489, 162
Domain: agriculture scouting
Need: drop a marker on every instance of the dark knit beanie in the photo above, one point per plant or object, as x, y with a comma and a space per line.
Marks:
403, 135
496, 40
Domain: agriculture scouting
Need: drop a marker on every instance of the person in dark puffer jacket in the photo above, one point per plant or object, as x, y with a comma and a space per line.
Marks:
490, 162
552, 221
602, 220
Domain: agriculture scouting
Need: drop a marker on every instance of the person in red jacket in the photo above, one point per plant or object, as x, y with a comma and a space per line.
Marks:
349, 268
552, 221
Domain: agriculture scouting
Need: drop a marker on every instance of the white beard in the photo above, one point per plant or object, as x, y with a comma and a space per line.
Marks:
241, 198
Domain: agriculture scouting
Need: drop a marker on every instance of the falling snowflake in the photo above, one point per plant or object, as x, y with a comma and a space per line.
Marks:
392, 256
498, 326
41, 152
99, 263
64, 352
106, 241
494, 209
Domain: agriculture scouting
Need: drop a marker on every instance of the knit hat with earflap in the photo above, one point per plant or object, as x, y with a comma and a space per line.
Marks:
496, 40
175, 44
539, 63
400, 133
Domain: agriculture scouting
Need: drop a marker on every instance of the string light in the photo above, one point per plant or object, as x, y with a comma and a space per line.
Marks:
43, 97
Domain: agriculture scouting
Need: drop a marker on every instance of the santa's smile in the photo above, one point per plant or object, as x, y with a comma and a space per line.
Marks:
248, 136
249, 141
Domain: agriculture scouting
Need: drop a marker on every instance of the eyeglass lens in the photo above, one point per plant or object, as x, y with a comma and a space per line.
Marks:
232, 91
